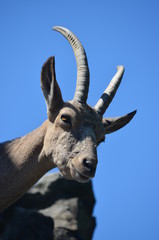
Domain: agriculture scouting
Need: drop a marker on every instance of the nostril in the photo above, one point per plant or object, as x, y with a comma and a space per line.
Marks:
88, 164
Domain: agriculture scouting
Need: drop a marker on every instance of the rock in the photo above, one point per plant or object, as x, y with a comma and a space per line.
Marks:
55, 208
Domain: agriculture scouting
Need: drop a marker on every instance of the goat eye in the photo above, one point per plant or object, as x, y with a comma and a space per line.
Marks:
66, 119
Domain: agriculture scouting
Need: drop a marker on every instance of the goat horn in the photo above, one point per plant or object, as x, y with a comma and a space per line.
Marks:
82, 85
109, 92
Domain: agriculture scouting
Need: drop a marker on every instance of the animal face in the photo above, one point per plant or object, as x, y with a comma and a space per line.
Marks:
74, 128
71, 141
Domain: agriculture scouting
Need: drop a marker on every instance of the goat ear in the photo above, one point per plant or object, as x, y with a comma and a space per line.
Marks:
51, 89
114, 124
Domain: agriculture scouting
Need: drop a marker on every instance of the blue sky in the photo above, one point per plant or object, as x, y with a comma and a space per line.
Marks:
113, 32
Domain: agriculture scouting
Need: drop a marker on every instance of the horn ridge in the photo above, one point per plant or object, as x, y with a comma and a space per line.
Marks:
110, 91
82, 85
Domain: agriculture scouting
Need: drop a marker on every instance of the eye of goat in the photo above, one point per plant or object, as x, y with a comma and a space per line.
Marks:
66, 119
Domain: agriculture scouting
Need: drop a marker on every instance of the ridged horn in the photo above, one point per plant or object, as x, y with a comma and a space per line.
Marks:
82, 85
110, 91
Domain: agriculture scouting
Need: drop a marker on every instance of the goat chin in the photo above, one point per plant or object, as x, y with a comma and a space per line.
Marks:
74, 175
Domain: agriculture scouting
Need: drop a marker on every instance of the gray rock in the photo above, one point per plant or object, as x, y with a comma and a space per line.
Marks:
55, 208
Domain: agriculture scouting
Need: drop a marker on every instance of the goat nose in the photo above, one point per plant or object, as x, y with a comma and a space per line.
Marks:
89, 164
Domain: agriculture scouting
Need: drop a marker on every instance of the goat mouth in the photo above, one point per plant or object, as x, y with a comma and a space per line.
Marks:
78, 176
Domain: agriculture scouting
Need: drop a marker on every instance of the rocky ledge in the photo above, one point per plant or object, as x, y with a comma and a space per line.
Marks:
55, 208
